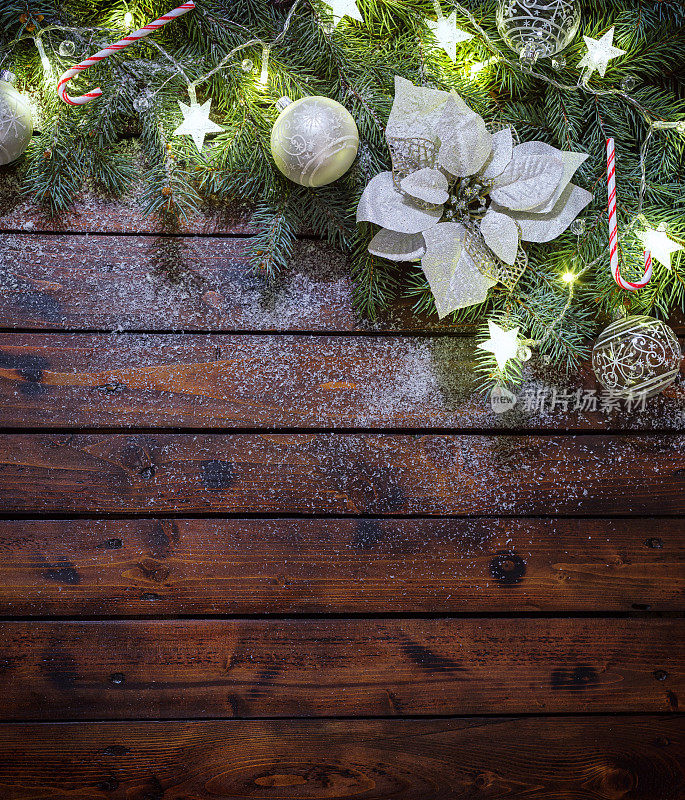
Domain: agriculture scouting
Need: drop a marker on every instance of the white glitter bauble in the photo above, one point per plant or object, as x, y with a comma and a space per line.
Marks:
314, 141
538, 28
636, 356
16, 123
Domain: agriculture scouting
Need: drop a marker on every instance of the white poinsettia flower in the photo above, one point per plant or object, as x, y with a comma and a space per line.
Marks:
475, 181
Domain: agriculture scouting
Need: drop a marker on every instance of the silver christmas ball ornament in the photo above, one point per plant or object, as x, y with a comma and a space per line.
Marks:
314, 141
16, 123
636, 356
538, 28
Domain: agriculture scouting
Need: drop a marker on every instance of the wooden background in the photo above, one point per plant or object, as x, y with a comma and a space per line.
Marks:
253, 547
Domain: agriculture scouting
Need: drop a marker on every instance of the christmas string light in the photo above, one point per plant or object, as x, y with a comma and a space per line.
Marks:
45, 62
264, 74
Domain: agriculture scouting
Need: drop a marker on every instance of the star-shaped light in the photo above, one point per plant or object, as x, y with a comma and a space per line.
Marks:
504, 345
599, 53
344, 8
660, 246
447, 34
196, 122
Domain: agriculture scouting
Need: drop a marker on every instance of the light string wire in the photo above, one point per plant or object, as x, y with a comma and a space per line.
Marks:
583, 85
191, 84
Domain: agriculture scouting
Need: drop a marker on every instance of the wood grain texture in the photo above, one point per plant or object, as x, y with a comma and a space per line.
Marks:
96, 213
342, 474
338, 667
233, 381
602, 758
148, 282
264, 566
114, 282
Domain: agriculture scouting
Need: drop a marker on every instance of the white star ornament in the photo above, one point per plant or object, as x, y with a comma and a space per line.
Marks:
660, 246
599, 54
196, 122
344, 8
504, 345
447, 34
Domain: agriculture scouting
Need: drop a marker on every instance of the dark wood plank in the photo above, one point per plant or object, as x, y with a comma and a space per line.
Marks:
342, 474
94, 213
200, 381
218, 566
169, 283
598, 758
338, 667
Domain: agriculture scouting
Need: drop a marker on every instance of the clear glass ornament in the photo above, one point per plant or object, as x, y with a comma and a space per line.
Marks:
66, 48
558, 63
538, 28
142, 102
247, 65
629, 83
636, 356
524, 353
578, 226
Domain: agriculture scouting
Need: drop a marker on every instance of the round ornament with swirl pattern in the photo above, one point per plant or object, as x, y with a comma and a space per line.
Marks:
636, 357
314, 141
16, 123
538, 28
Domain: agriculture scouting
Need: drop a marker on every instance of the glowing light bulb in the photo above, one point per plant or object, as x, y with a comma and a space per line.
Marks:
479, 66
569, 277
128, 19
263, 79
47, 68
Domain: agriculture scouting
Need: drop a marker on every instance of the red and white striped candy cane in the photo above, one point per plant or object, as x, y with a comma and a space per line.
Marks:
113, 48
613, 229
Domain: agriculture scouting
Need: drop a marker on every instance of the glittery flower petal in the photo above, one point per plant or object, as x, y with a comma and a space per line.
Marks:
429, 185
528, 181
501, 235
465, 142
415, 111
569, 158
502, 151
397, 246
454, 279
545, 227
383, 204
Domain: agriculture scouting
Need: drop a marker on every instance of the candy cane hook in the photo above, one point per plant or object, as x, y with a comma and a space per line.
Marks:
113, 48
613, 229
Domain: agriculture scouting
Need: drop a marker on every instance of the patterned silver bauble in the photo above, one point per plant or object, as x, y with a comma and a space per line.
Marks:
538, 28
16, 123
636, 356
314, 141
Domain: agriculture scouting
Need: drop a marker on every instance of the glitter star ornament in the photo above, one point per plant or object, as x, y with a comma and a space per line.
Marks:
660, 246
447, 34
196, 122
599, 54
16, 123
504, 345
344, 8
